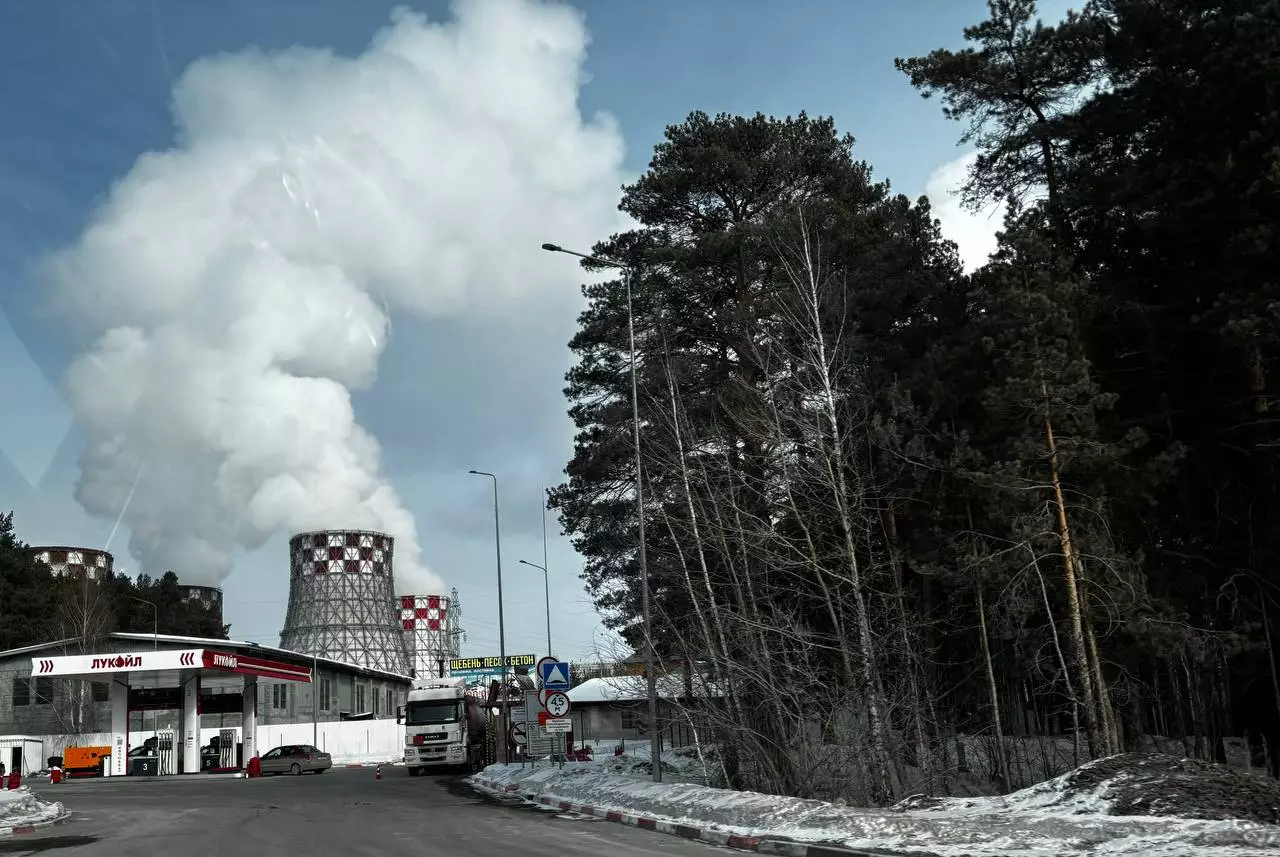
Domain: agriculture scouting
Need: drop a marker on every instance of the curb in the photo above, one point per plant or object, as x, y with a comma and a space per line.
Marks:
761, 845
21, 829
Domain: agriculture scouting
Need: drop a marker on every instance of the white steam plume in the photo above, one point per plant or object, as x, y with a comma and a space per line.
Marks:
238, 281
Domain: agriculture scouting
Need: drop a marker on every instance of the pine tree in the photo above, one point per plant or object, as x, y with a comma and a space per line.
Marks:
26, 601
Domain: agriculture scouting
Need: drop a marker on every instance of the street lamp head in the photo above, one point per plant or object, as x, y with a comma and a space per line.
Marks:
553, 248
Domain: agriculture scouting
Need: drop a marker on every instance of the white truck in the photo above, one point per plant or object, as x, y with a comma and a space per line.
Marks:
443, 726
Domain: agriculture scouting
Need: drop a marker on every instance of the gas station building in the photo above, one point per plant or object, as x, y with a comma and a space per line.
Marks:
192, 677
182, 669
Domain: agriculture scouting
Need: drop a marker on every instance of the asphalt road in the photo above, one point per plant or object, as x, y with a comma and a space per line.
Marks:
343, 812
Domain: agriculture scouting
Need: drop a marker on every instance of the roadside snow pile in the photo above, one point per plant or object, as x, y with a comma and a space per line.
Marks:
1038, 822
1144, 785
682, 764
20, 808
1151, 784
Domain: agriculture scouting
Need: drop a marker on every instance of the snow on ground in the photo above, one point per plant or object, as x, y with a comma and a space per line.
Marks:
20, 807
1135, 784
1058, 817
682, 764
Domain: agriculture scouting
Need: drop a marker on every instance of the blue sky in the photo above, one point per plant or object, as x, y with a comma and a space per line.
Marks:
87, 86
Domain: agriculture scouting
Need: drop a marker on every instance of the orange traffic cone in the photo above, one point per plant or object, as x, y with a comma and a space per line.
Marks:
378, 774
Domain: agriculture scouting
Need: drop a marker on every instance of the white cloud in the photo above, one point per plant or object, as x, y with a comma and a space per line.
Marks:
240, 282
973, 232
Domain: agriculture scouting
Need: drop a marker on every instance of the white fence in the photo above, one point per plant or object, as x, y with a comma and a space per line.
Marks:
348, 742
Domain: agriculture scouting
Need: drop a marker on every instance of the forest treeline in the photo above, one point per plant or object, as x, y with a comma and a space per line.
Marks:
889, 501
37, 606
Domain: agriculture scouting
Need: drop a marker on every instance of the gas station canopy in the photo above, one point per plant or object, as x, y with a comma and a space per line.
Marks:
182, 667
88, 666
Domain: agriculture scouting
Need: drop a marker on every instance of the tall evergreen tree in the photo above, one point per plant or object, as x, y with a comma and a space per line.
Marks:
26, 591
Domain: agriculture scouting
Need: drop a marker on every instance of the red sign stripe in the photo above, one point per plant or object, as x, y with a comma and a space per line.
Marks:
244, 665
289, 674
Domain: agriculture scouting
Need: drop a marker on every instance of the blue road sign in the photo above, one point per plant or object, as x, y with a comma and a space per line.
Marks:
554, 675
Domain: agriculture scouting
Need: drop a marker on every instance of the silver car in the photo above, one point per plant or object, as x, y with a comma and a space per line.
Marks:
295, 759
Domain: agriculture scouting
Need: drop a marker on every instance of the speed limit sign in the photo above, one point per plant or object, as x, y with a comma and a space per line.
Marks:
557, 704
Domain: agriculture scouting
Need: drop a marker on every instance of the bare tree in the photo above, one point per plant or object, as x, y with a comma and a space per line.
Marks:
84, 615
810, 342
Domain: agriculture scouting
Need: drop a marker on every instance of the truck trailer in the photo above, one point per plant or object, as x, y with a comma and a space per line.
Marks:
444, 727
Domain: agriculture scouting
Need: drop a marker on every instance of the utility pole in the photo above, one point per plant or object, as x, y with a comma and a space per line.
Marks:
651, 674
546, 575
502, 636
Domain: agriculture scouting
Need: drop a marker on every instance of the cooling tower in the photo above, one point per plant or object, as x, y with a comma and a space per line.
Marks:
210, 597
75, 561
341, 601
431, 632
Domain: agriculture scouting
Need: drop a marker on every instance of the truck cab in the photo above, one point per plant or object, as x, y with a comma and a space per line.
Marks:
444, 727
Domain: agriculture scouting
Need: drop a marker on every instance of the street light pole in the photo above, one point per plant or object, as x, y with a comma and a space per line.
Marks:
155, 621
655, 742
547, 588
502, 637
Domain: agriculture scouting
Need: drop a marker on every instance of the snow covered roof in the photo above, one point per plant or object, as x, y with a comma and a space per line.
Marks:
633, 688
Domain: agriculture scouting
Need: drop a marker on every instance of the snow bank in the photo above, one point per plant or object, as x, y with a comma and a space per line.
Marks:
1133, 784
1039, 822
682, 764
20, 808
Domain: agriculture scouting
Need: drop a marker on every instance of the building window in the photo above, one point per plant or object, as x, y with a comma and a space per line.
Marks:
101, 691
391, 701
280, 696
377, 703
360, 689
326, 695
631, 719
44, 691
21, 692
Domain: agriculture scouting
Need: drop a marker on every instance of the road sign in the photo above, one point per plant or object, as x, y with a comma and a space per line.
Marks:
549, 659
540, 743
557, 704
554, 675
518, 734
484, 666
561, 724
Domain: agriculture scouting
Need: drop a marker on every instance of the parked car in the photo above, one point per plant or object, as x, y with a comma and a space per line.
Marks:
295, 759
